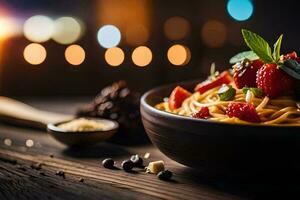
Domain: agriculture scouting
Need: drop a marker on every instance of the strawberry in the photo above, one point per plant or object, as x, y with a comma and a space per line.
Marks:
203, 113
273, 81
243, 111
223, 78
244, 73
177, 96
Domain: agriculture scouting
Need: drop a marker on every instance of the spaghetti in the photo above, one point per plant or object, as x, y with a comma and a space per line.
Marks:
280, 111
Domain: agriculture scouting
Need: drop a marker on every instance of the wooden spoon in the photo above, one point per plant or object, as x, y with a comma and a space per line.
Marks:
18, 113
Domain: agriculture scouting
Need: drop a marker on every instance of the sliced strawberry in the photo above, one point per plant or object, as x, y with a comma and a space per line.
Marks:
243, 111
223, 78
203, 113
244, 73
177, 96
273, 81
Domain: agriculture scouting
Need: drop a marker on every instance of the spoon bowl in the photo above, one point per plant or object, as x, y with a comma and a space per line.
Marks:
83, 138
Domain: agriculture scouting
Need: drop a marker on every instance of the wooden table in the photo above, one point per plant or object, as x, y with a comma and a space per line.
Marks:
85, 178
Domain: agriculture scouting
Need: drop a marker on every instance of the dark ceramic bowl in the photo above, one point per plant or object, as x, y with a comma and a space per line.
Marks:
219, 147
85, 138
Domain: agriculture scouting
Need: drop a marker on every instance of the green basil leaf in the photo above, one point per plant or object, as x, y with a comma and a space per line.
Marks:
228, 94
290, 71
245, 89
256, 91
276, 50
250, 55
258, 45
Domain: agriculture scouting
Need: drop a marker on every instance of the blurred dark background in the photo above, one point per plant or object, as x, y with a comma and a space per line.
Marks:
54, 47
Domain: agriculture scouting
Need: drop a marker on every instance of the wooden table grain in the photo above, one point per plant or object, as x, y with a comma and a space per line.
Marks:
85, 178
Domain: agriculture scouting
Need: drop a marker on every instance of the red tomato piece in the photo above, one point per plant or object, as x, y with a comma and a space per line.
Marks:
177, 96
292, 55
223, 78
203, 113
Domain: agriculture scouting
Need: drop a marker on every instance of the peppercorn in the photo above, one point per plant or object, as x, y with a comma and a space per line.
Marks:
127, 165
165, 175
137, 161
108, 163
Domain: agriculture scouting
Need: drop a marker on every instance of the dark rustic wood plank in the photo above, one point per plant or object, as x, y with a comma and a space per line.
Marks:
141, 182
22, 182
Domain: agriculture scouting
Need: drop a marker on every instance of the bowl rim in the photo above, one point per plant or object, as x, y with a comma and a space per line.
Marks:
152, 109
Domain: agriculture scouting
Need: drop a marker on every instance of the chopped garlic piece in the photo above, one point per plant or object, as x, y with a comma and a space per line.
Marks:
249, 96
155, 167
147, 155
223, 88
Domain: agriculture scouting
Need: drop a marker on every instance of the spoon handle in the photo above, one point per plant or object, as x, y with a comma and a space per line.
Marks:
18, 113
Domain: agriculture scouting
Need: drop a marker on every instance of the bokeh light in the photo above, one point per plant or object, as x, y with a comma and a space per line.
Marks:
8, 27
136, 34
109, 36
214, 33
179, 55
67, 30
38, 28
3, 31
176, 28
114, 56
34, 53
75, 54
240, 10
141, 56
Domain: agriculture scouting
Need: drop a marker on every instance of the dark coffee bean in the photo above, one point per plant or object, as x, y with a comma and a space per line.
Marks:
165, 175
124, 92
137, 160
116, 102
127, 165
108, 163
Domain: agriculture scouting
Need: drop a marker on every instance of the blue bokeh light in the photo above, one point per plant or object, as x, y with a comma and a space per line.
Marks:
240, 10
109, 36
